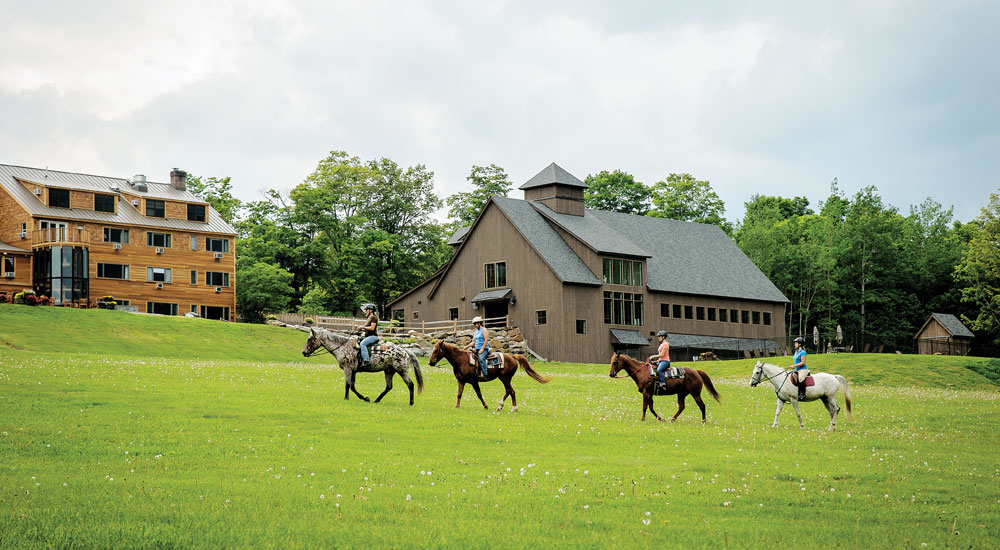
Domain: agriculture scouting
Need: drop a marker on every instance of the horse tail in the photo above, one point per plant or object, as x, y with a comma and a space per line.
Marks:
710, 386
416, 371
523, 361
847, 395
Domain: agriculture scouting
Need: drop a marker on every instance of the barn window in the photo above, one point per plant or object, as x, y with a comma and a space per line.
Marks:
711, 314
689, 312
745, 317
581, 326
677, 311
756, 317
399, 315
452, 313
734, 316
621, 272
767, 317
540, 317
723, 315
416, 314
664, 310
700, 313
622, 308
496, 274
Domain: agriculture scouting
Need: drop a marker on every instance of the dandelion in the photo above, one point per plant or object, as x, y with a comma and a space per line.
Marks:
408, 497
645, 522
320, 496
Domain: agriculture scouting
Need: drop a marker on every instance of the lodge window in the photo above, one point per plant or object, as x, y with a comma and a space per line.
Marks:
158, 274
112, 271
700, 313
217, 313
115, 235
194, 279
581, 326
664, 310
416, 314
161, 240
216, 278
216, 245
734, 316
104, 203
745, 317
767, 317
496, 274
711, 314
399, 315
196, 212
621, 272
540, 317
756, 317
24, 230
161, 308
452, 313
622, 308
155, 208
59, 198
689, 312
677, 311
723, 315
194, 242
8, 265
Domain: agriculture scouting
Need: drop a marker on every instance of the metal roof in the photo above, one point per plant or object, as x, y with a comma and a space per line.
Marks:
127, 215
489, 295
628, 337
719, 342
553, 174
4, 247
953, 325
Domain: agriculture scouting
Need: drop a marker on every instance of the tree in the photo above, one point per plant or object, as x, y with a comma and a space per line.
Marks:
978, 272
487, 181
263, 289
217, 192
682, 197
616, 192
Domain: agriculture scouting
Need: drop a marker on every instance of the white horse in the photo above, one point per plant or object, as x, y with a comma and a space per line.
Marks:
787, 392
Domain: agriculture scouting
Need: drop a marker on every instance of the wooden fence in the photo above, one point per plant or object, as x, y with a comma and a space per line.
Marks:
347, 324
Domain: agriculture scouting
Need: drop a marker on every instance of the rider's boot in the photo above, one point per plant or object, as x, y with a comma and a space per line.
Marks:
802, 390
483, 376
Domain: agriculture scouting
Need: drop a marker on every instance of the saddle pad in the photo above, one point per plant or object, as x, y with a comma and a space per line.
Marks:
809, 379
674, 372
494, 359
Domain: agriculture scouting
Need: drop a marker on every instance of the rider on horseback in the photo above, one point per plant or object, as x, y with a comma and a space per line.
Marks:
370, 329
480, 339
662, 356
801, 370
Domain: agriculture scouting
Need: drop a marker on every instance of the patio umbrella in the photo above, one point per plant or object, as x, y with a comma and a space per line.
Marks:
815, 335
840, 335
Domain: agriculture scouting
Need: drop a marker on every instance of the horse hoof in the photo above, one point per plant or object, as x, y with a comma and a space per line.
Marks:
514, 409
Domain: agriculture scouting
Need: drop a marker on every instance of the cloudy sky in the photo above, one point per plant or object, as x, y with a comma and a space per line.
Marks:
778, 98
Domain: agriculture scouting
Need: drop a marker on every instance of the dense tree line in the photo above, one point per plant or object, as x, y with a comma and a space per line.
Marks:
357, 230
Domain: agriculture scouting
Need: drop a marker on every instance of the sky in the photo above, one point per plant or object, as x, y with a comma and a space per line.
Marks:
772, 97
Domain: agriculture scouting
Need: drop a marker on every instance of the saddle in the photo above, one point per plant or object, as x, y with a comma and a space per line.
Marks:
671, 372
493, 359
792, 378
377, 347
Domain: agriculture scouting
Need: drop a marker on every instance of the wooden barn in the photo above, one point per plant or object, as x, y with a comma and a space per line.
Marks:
581, 283
943, 334
153, 246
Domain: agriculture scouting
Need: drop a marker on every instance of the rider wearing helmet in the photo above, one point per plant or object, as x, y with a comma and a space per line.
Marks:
370, 329
480, 341
662, 357
801, 370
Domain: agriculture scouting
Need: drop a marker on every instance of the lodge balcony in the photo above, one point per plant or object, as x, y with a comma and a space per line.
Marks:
59, 236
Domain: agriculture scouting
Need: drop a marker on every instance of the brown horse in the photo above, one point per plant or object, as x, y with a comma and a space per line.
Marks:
467, 372
691, 384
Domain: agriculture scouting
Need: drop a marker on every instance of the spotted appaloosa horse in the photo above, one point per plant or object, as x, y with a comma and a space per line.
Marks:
786, 392
392, 361
467, 372
691, 384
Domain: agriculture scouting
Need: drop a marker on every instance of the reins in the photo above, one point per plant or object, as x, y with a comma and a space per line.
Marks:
322, 349
769, 378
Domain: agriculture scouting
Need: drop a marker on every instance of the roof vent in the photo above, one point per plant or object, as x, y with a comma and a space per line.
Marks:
139, 183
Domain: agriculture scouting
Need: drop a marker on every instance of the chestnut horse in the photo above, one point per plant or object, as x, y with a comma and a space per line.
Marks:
468, 372
691, 384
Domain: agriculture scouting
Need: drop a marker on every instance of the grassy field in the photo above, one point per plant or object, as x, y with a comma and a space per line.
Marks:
204, 434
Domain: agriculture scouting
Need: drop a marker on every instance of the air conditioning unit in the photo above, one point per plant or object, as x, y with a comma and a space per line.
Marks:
217, 289
11, 275
37, 191
117, 246
23, 234
159, 251
135, 202
218, 255
159, 285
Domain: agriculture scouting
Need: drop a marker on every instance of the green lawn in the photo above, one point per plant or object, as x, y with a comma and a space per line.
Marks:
230, 439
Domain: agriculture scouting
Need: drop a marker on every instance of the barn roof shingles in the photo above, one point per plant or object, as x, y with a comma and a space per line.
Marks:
953, 325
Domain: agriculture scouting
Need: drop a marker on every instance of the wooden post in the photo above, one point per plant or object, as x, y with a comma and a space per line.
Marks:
506, 320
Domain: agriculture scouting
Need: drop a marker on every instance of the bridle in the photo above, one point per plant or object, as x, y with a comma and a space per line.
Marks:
753, 382
621, 368
322, 349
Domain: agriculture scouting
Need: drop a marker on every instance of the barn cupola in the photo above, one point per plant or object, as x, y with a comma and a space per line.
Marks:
557, 189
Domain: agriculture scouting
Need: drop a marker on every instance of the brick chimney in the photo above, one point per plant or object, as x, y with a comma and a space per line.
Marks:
178, 179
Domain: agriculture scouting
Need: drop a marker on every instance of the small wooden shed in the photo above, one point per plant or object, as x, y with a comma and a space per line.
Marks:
943, 334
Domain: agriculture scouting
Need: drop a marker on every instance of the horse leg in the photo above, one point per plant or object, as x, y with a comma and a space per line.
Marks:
831, 405
645, 405
409, 384
680, 405
652, 410
388, 385
513, 394
798, 413
506, 392
479, 394
348, 377
701, 405
355, 390
461, 388
777, 412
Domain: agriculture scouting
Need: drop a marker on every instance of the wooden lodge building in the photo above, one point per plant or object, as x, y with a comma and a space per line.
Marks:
581, 283
152, 246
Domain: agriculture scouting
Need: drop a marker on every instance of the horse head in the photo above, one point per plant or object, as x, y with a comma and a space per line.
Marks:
312, 344
758, 371
617, 364
437, 353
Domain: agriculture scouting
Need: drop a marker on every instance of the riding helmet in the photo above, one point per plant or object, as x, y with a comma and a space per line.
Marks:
662, 333
477, 319
366, 307
800, 340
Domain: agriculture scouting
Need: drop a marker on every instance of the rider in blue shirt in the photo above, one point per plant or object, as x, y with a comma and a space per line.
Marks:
801, 370
480, 339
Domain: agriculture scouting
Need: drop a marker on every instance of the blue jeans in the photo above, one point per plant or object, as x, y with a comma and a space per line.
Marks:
661, 368
369, 341
482, 359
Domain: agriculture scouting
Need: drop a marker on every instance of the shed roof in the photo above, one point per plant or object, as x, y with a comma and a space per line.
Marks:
950, 323
490, 295
5, 247
127, 215
628, 337
553, 174
458, 235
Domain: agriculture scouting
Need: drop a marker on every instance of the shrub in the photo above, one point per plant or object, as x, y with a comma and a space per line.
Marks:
26, 296
272, 317
309, 320
3, 298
